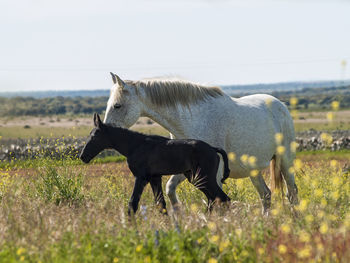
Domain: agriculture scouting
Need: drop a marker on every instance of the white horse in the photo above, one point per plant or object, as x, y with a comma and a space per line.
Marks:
246, 127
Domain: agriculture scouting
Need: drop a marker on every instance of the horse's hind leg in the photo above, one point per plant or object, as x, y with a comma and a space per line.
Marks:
156, 184
288, 175
171, 185
264, 192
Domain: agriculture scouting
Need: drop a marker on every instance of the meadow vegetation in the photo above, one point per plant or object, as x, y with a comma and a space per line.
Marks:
63, 211
59, 210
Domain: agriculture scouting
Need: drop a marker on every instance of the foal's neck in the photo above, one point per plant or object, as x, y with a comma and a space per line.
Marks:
124, 141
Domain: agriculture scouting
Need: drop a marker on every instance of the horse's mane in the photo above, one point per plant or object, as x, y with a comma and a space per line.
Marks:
170, 92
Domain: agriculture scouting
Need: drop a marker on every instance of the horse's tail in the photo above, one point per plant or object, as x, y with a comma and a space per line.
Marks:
276, 174
226, 169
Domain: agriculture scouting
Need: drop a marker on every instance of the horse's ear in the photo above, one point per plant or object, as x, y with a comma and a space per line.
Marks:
95, 119
116, 79
99, 123
113, 77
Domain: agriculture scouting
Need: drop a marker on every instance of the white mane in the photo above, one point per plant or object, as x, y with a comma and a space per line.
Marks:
170, 92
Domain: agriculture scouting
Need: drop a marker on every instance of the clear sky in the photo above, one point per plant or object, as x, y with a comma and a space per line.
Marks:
70, 44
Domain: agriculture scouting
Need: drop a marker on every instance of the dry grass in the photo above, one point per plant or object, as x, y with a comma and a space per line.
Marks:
33, 229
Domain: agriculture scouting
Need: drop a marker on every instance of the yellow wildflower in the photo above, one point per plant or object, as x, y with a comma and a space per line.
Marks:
285, 228
280, 150
244, 253
115, 260
268, 102
334, 163
309, 218
294, 146
254, 173
324, 228
294, 114
320, 247
278, 138
231, 156
335, 195
323, 203
330, 116
274, 212
318, 192
200, 240
20, 251
212, 226
336, 181
326, 138
261, 251
252, 161
293, 101
223, 245
302, 205
304, 236
244, 158
335, 105
320, 214
148, 259
214, 238
298, 164
238, 232
139, 248
305, 252
212, 260
282, 249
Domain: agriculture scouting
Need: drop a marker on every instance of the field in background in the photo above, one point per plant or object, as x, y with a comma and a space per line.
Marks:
63, 126
81, 125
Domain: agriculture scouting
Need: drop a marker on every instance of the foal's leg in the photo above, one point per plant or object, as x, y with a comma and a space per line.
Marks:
171, 188
264, 192
156, 184
208, 182
140, 183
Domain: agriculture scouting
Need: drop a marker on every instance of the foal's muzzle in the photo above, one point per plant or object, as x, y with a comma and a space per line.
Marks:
85, 158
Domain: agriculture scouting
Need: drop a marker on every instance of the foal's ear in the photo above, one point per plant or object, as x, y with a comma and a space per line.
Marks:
116, 79
97, 120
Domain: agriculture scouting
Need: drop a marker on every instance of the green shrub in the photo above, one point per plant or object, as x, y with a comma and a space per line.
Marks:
60, 185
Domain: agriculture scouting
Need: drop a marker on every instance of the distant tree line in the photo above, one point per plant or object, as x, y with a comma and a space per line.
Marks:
28, 106
308, 99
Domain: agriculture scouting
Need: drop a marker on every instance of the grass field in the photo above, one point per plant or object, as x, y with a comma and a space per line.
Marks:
80, 126
63, 211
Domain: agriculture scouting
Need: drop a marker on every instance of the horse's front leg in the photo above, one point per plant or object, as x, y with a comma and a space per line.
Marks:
171, 188
139, 185
156, 184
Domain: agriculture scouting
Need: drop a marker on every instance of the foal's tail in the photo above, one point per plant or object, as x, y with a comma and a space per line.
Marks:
226, 169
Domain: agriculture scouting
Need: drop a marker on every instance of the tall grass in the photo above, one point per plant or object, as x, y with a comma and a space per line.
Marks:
35, 227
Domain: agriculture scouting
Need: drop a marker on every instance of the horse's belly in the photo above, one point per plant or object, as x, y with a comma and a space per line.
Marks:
241, 171
236, 175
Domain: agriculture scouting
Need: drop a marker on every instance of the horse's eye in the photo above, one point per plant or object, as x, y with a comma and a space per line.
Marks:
117, 106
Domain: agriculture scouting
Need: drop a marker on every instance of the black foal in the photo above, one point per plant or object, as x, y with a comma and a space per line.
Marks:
150, 156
